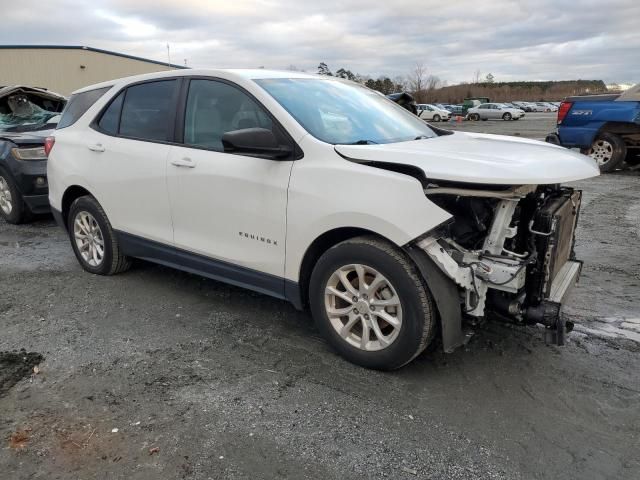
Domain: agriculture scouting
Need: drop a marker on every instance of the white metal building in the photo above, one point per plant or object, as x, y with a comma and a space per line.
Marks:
64, 69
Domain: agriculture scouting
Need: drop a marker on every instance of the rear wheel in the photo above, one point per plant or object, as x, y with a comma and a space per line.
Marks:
633, 157
370, 303
609, 151
507, 116
93, 239
12, 206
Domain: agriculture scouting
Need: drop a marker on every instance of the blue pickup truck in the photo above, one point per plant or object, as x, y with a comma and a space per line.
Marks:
605, 127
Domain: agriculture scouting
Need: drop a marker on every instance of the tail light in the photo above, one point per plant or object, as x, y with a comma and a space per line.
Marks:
563, 110
48, 145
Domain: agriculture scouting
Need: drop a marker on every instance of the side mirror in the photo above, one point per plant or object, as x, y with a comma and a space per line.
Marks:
255, 141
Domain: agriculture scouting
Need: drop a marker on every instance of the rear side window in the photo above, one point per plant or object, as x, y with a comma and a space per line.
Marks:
147, 110
78, 104
111, 116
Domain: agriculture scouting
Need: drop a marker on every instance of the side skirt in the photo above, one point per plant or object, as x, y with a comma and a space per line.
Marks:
170, 256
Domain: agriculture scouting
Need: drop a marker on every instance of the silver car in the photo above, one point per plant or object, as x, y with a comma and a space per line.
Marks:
494, 111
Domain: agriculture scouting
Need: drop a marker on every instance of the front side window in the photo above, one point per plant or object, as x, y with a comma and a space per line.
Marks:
78, 104
215, 108
147, 111
338, 112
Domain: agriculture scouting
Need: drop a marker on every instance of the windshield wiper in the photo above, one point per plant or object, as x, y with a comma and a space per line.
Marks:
363, 142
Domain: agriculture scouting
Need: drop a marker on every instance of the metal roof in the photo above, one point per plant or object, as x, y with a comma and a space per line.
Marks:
90, 49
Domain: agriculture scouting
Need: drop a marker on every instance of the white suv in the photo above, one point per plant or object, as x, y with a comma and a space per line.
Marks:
322, 192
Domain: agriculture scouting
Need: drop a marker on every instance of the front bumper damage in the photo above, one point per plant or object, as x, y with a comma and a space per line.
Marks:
524, 267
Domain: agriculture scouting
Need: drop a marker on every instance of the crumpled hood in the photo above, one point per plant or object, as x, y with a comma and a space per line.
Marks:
481, 158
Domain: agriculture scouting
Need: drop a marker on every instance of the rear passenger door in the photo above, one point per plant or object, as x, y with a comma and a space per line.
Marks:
228, 207
129, 150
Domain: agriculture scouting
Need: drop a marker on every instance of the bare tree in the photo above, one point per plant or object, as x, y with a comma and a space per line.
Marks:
476, 77
417, 82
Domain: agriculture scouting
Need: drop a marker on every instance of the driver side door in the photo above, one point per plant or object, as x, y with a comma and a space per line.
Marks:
230, 208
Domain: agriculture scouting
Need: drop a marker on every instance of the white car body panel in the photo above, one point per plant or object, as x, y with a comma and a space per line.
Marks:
482, 158
230, 207
129, 178
328, 192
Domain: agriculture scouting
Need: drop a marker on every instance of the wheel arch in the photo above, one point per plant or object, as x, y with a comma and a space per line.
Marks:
629, 132
316, 249
71, 194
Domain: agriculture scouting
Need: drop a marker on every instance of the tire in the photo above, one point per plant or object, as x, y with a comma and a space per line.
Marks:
86, 215
474, 117
436, 118
399, 282
507, 116
633, 157
609, 151
12, 206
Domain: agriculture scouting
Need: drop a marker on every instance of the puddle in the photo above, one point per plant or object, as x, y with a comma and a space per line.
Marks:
14, 366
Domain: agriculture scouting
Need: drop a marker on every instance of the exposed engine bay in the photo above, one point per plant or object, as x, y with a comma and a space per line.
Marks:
508, 249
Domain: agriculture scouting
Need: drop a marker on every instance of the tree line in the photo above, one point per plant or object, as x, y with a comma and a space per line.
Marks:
429, 88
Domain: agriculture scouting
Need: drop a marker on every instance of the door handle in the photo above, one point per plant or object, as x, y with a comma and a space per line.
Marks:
183, 162
97, 147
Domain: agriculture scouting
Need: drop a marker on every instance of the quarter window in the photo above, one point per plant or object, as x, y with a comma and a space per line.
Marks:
111, 116
78, 104
215, 108
147, 110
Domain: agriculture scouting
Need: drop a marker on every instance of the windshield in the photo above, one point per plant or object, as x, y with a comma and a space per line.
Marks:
337, 112
20, 114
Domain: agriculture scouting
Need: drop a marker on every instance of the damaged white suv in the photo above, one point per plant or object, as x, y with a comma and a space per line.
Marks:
324, 193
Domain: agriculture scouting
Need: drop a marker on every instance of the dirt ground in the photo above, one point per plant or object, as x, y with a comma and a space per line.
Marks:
158, 374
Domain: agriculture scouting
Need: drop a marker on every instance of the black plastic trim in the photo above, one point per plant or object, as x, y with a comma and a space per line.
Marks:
57, 216
138, 247
447, 298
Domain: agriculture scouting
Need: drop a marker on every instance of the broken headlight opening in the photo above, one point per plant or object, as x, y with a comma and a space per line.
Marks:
509, 250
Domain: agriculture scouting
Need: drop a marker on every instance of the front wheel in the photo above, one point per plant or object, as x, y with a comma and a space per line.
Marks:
474, 117
12, 206
507, 116
436, 118
93, 239
609, 151
370, 303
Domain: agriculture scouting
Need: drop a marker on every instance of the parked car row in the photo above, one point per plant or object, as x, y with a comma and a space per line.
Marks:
390, 231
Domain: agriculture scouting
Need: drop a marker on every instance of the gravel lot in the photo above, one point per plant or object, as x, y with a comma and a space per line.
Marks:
159, 374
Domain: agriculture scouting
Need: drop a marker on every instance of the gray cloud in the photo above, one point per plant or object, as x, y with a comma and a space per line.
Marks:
546, 39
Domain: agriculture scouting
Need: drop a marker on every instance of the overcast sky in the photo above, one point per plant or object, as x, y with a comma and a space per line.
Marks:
514, 40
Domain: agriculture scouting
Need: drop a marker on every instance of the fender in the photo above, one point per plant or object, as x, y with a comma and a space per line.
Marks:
447, 299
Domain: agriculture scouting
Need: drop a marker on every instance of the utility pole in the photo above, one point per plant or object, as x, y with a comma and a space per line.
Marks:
168, 55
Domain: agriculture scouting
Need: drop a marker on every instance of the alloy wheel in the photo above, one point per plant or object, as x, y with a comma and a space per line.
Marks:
363, 307
6, 201
89, 239
601, 152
